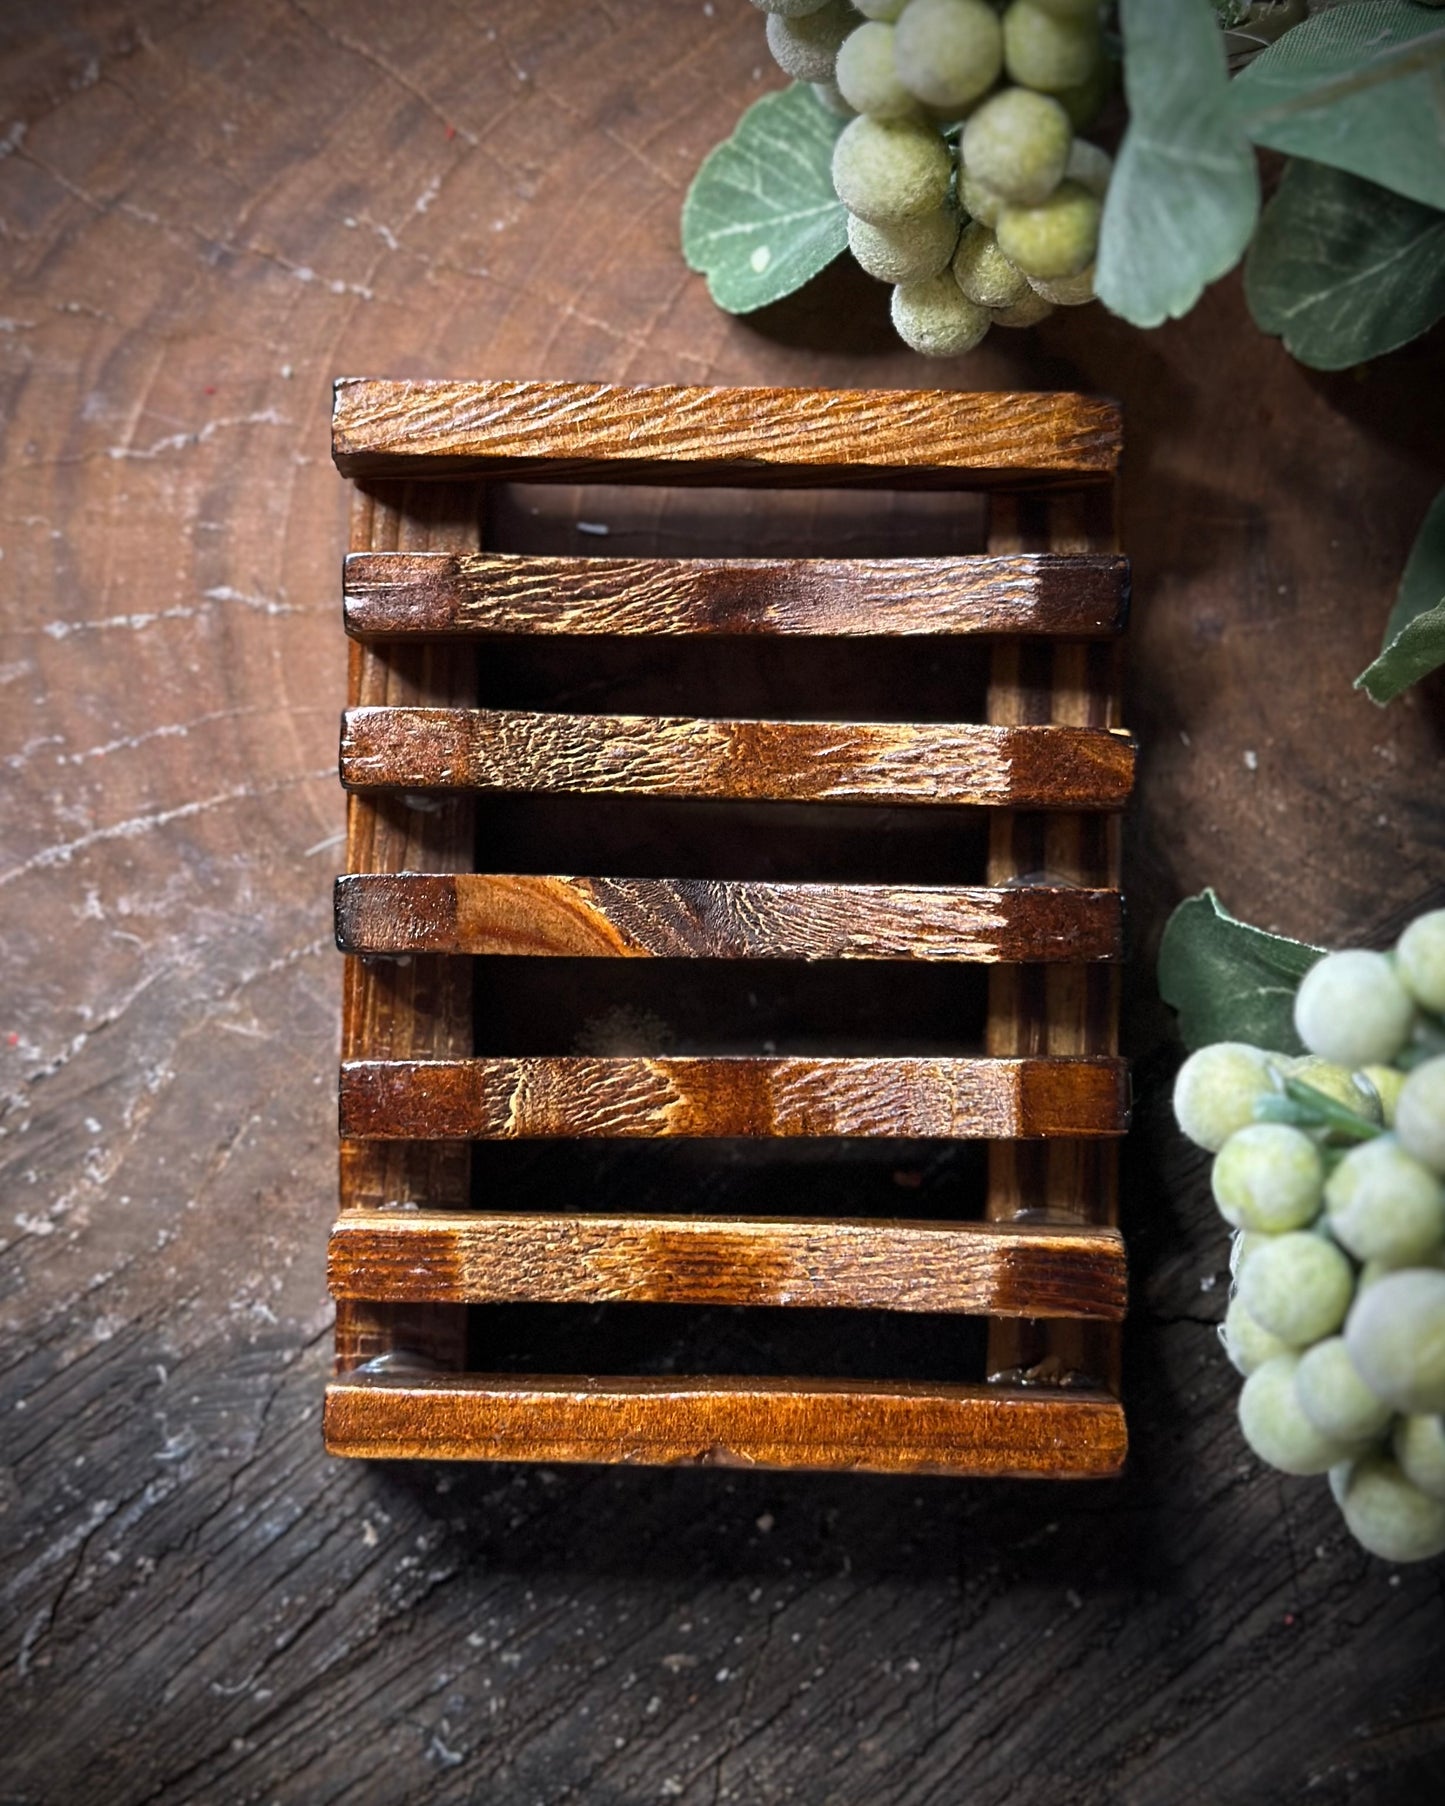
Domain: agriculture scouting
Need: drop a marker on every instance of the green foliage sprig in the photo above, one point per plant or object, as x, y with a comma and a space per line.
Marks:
1345, 263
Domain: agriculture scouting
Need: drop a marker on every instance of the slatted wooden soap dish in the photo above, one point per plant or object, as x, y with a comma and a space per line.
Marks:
430, 1248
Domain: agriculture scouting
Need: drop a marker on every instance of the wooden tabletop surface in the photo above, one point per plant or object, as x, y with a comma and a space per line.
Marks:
208, 211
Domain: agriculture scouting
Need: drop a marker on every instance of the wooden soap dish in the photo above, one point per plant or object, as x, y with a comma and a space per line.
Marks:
421, 1251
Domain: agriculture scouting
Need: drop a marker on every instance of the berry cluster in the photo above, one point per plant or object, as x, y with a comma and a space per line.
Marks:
1329, 1169
964, 183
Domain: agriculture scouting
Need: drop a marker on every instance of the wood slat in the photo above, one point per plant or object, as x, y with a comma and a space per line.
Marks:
1004, 1270
876, 1427
697, 918
639, 1098
427, 595
683, 756
928, 438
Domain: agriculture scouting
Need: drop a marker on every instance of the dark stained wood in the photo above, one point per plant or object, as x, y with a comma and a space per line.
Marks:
673, 918
644, 755
425, 1007
630, 1097
390, 595
201, 1607
929, 438
1068, 1009
879, 1428
1003, 1269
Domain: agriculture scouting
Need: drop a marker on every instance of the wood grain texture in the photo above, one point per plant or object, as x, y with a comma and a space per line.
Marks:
878, 1428
201, 1607
1070, 1010
622, 1096
697, 918
424, 1007
682, 756
497, 1257
390, 595
932, 438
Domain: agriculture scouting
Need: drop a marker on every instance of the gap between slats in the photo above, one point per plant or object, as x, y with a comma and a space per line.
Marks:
451, 1257
894, 1427
644, 1098
683, 756
671, 918
428, 595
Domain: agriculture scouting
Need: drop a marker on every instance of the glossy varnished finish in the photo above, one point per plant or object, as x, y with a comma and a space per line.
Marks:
391, 595
979, 1431
203, 1608
637, 1098
674, 918
680, 756
496, 1257
929, 438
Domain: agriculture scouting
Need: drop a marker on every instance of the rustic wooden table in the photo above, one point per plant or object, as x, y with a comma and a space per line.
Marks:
207, 211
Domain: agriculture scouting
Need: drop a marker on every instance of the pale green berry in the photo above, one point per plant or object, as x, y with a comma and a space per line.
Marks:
1396, 1337
1334, 1397
1268, 1176
1089, 165
937, 318
866, 75
1352, 1008
1420, 960
1017, 145
889, 170
1245, 1342
1044, 51
910, 252
805, 45
1384, 1205
1386, 1082
1390, 1517
1277, 1429
1056, 238
983, 272
1298, 1287
948, 52
887, 10
1028, 310
1419, 1447
1084, 103
1420, 1114
1216, 1091
1374, 1271
1336, 1082
1339, 1479
1073, 9
1066, 291
1244, 1244
978, 200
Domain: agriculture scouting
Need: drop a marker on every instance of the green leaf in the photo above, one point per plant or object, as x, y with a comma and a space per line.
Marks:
1415, 633
1359, 87
761, 216
1228, 981
1344, 269
1185, 191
